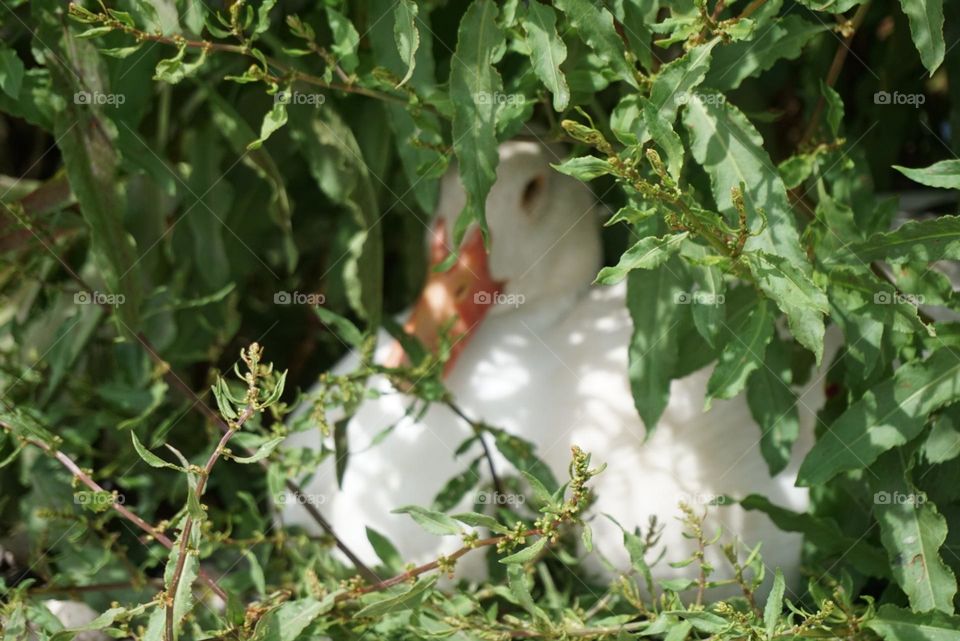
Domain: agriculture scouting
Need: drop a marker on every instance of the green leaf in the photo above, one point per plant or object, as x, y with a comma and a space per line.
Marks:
521, 454
406, 35
385, 550
183, 599
647, 253
526, 554
783, 39
924, 241
795, 294
341, 448
943, 443
430, 520
944, 174
835, 108
263, 16
584, 168
913, 532
926, 28
728, 147
773, 405
272, 121
102, 622
890, 414
474, 519
407, 600
774, 607
895, 624
652, 301
475, 86
262, 452
747, 340
595, 26
336, 163
520, 589
547, 51
342, 327
676, 80
457, 487
345, 40
287, 622
11, 72
150, 458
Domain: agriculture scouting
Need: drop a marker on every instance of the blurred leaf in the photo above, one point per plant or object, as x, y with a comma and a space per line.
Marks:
896, 624
407, 35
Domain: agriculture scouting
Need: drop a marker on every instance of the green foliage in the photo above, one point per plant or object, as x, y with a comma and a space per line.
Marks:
182, 179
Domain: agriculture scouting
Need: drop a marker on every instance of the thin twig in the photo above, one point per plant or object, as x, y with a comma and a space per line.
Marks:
433, 565
479, 430
123, 510
248, 412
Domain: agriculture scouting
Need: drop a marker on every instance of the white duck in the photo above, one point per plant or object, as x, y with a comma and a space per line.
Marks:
546, 359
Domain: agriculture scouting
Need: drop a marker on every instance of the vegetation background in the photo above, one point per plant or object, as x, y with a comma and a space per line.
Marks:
184, 182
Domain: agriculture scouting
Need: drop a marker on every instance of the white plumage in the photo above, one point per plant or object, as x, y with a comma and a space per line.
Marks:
554, 371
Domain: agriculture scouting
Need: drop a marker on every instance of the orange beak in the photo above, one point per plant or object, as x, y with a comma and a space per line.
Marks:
458, 298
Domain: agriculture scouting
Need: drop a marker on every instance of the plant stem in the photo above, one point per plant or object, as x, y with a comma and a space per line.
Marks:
479, 431
248, 412
433, 565
123, 510
834, 72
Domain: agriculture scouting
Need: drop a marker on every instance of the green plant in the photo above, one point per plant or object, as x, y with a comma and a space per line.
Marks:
175, 173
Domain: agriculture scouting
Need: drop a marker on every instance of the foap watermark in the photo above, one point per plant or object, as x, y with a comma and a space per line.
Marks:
899, 498
314, 100
897, 98
98, 98
496, 298
896, 298
499, 98
698, 298
98, 298
301, 498
703, 498
98, 499
687, 97
298, 298
496, 498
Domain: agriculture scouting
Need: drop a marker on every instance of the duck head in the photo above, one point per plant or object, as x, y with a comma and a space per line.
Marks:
544, 245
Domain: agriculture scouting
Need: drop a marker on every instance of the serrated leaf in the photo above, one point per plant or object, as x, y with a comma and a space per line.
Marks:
795, 294
430, 520
729, 148
923, 241
406, 35
647, 253
743, 353
944, 174
783, 39
926, 28
913, 532
896, 624
526, 554
890, 414
595, 26
677, 79
547, 51
475, 86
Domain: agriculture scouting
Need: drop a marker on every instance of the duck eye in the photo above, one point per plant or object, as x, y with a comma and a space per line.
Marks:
531, 191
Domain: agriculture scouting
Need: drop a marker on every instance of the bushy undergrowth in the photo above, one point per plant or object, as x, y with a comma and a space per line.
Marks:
185, 182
